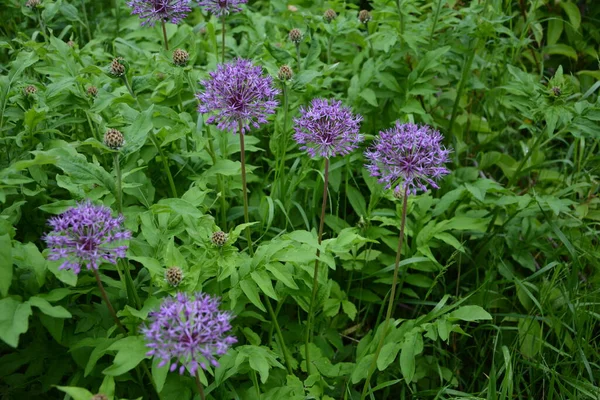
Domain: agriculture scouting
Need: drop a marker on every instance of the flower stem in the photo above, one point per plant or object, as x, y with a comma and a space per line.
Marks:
164, 29
284, 349
223, 38
298, 56
107, 301
220, 182
199, 386
165, 166
329, 44
309, 321
119, 190
279, 171
245, 189
128, 86
392, 295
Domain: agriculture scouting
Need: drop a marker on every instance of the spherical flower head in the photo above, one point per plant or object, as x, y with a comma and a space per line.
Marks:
118, 67
114, 139
285, 73
238, 94
411, 153
364, 16
188, 331
92, 91
219, 238
327, 129
30, 90
180, 57
86, 235
221, 7
33, 3
330, 15
152, 11
295, 36
174, 276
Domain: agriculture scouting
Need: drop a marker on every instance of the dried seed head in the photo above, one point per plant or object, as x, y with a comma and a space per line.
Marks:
114, 139
330, 15
556, 91
99, 396
30, 90
364, 16
174, 276
219, 238
32, 3
117, 67
180, 57
295, 35
285, 73
92, 91
71, 43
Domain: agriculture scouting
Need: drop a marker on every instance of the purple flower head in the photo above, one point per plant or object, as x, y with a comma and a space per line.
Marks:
188, 331
327, 129
85, 235
152, 11
409, 152
221, 7
238, 93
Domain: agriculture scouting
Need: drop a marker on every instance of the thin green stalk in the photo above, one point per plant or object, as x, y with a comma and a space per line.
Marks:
118, 18
86, 21
435, 20
118, 181
107, 302
309, 320
164, 29
390, 307
126, 81
165, 166
284, 349
255, 383
524, 159
282, 143
223, 38
329, 44
298, 56
245, 189
199, 386
220, 182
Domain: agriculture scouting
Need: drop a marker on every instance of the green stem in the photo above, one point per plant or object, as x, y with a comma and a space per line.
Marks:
223, 38
128, 85
309, 321
199, 386
298, 56
329, 44
284, 349
524, 159
220, 182
118, 18
107, 301
283, 143
245, 189
435, 20
118, 180
164, 29
165, 166
392, 296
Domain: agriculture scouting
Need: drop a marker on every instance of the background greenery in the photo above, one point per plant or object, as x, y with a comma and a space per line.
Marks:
501, 299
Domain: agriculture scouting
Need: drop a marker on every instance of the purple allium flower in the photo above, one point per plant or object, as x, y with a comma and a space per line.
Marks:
327, 129
85, 234
409, 152
152, 11
221, 7
188, 331
237, 93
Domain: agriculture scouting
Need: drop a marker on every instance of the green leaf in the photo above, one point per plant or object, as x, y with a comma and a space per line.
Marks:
259, 363
572, 12
251, 291
561, 49
130, 351
362, 369
283, 274
313, 53
388, 354
76, 393
14, 320
369, 96
555, 28
470, 313
49, 309
349, 309
225, 168
530, 336
137, 133
6, 264
159, 374
263, 280
407, 356
357, 201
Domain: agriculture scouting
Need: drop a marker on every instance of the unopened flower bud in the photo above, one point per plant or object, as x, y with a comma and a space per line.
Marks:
174, 276
32, 3
114, 139
556, 91
292, 8
219, 238
30, 90
92, 91
364, 16
71, 43
285, 73
330, 15
295, 35
180, 57
117, 67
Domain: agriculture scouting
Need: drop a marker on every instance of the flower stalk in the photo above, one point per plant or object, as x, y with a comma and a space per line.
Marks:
245, 189
164, 30
111, 309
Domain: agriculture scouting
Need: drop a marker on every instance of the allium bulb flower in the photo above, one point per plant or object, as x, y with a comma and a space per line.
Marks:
86, 235
221, 7
415, 154
188, 331
152, 11
327, 129
238, 93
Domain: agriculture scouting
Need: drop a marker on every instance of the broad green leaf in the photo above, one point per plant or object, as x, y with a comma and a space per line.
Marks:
407, 356
137, 133
572, 12
251, 291
76, 393
14, 320
49, 309
159, 374
6, 264
130, 351
283, 273
263, 280
562, 50
370, 96
362, 369
349, 309
530, 336
388, 354
470, 313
